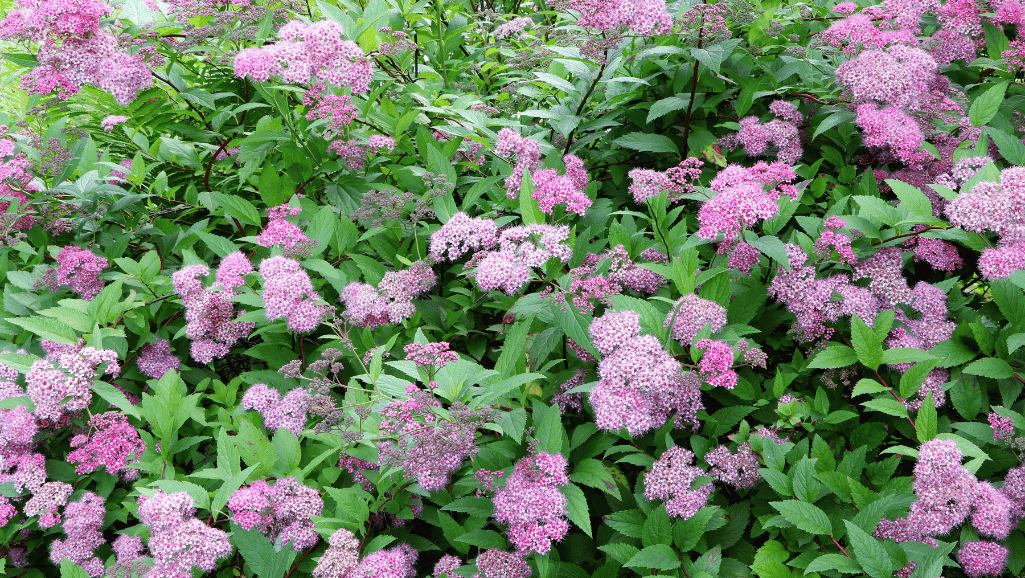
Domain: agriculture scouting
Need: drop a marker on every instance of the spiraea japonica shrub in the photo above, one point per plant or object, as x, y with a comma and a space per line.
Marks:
508, 289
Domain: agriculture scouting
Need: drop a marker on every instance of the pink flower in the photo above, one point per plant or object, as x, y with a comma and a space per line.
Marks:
531, 503
671, 478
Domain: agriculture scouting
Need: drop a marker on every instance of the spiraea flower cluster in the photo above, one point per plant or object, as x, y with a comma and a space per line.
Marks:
998, 207
155, 359
280, 232
341, 560
179, 542
519, 250
79, 269
289, 412
82, 523
531, 503
62, 383
690, 314
551, 188
209, 311
782, 133
640, 384
432, 355
392, 300
307, 52
524, 153
282, 511
739, 470
112, 443
744, 197
677, 181
425, 446
463, 234
288, 292
672, 479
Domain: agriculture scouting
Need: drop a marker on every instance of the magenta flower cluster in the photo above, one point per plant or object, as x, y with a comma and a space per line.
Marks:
782, 133
178, 541
463, 234
690, 314
671, 479
112, 443
432, 355
392, 300
280, 232
519, 250
307, 52
640, 384
745, 195
82, 522
531, 503
79, 269
281, 511
341, 560
551, 188
289, 412
62, 383
288, 292
209, 311
678, 181
155, 359
998, 207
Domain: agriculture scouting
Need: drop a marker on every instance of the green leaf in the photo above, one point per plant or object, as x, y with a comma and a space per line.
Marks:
835, 562
990, 367
260, 554
985, 107
71, 570
593, 473
925, 423
657, 557
657, 528
833, 356
551, 435
772, 248
1011, 147
806, 487
911, 198
887, 405
869, 552
868, 349
807, 517
899, 355
967, 398
627, 522
868, 386
646, 142
715, 55
106, 306
576, 507
47, 328
667, 105
237, 207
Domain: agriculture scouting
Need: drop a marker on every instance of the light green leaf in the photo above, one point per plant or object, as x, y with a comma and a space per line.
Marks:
834, 356
667, 105
866, 346
925, 423
576, 507
47, 328
834, 562
985, 107
658, 557
807, 517
911, 197
887, 405
869, 552
646, 142
990, 367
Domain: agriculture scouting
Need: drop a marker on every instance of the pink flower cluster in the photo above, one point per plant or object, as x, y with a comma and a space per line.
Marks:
782, 132
527, 155
639, 17
463, 234
110, 121
75, 50
983, 558
79, 269
62, 383
288, 292
531, 503
831, 239
892, 127
671, 478
716, 364
433, 355
289, 412
336, 109
1003, 427
45, 502
113, 444
997, 207
307, 52
282, 511
179, 542
341, 560
392, 300
690, 314
426, 447
739, 470
551, 188
155, 359
520, 249
678, 181
280, 232
209, 311
82, 523
640, 384
745, 196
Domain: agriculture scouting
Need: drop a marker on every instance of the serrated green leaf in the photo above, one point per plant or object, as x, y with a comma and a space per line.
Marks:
834, 562
986, 105
657, 557
1010, 147
47, 328
665, 106
576, 507
869, 553
992, 367
925, 423
807, 517
646, 142
887, 405
911, 198
868, 349
898, 355
834, 356
868, 386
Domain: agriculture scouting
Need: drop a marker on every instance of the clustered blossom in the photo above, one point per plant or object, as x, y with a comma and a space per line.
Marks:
782, 132
281, 511
392, 300
46, 501
113, 444
891, 127
520, 249
433, 355
209, 312
832, 240
19, 463
745, 196
690, 314
495, 563
716, 364
463, 234
525, 151
640, 17
155, 359
82, 523
341, 560
983, 558
512, 26
640, 384
62, 383
739, 470
531, 503
288, 292
551, 188
307, 52
280, 232
289, 412
109, 122
997, 207
79, 269
75, 50
678, 181
671, 478
334, 108
178, 541
427, 447
1003, 427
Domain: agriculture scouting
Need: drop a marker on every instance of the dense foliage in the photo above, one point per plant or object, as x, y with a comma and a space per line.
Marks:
489, 287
